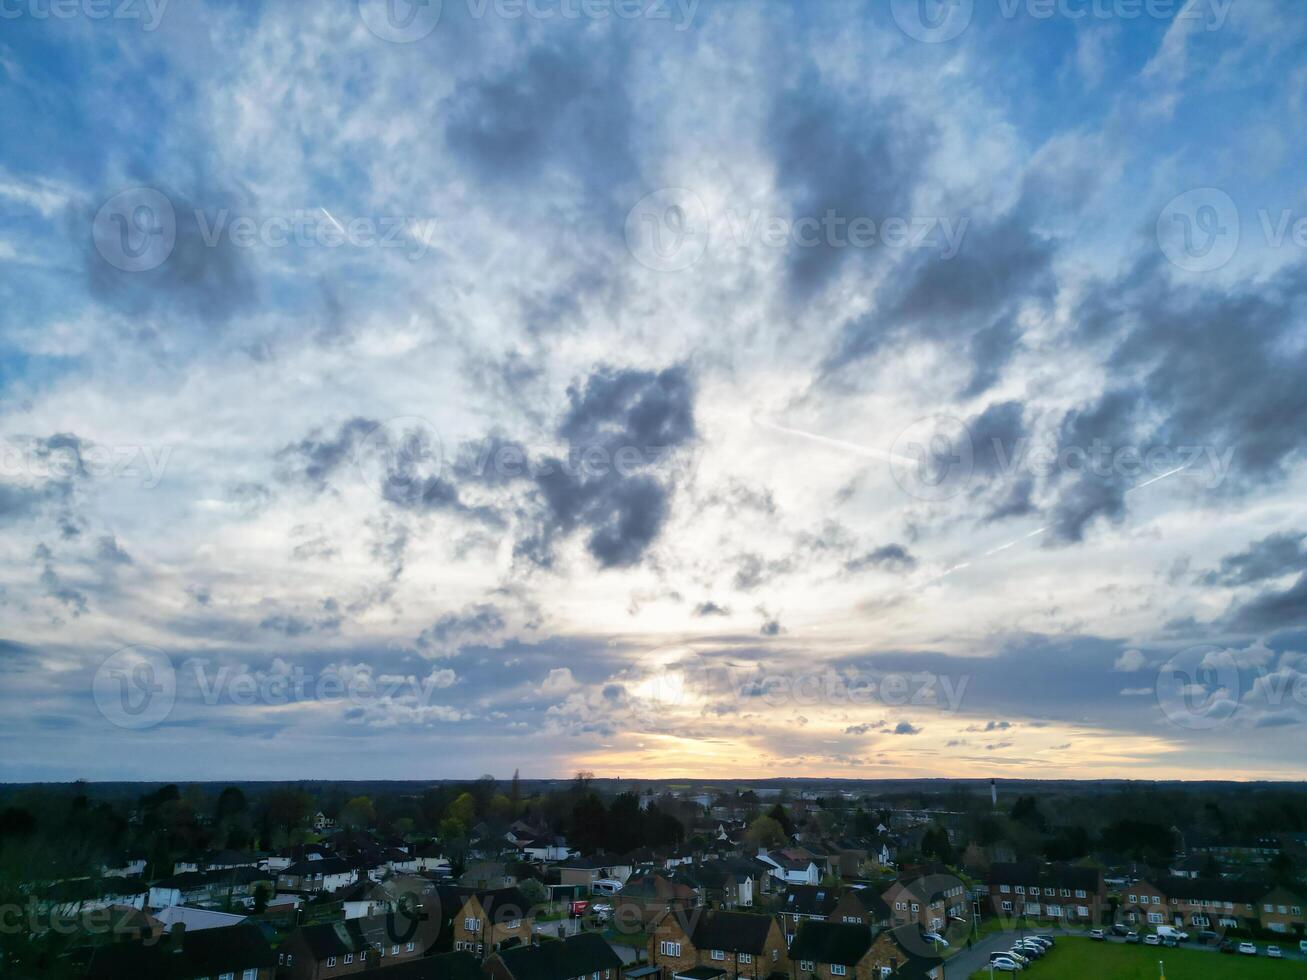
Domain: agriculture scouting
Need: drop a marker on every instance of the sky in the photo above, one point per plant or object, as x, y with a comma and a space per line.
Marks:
653, 387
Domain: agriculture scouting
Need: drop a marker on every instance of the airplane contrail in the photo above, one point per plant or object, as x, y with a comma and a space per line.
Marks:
889, 457
339, 226
853, 447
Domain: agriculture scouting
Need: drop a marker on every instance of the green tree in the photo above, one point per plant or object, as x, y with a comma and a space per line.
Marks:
765, 832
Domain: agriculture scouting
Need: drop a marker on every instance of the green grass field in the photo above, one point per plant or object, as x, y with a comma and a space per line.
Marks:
1081, 959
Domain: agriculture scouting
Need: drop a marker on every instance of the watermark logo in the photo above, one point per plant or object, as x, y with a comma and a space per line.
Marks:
136, 687
932, 21
667, 231
400, 21
933, 458
402, 459
135, 230
1198, 231
1199, 688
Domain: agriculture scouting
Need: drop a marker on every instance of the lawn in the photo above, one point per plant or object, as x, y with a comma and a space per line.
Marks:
1083, 959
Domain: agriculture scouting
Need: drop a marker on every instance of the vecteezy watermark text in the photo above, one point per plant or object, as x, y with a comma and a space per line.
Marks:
406, 21
671, 229
39, 459
148, 12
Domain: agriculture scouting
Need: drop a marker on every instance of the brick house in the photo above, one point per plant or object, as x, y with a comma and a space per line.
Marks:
1047, 891
585, 956
846, 951
803, 902
930, 901
1213, 903
488, 921
861, 906
647, 897
333, 949
720, 943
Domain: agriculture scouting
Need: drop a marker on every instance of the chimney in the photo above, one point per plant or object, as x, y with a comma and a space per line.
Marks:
178, 935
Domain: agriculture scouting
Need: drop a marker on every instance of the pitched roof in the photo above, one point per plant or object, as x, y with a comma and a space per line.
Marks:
210, 952
576, 956
1033, 873
739, 932
815, 900
446, 966
831, 942
1213, 889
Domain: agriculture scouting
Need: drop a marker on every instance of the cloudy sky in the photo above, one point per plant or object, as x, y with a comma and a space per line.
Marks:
870, 389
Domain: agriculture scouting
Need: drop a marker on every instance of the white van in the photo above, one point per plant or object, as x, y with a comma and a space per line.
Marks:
606, 886
1179, 935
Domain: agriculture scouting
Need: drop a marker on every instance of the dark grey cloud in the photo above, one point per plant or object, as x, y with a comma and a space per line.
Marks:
972, 297
836, 151
316, 458
1085, 496
907, 728
1193, 365
110, 552
890, 557
619, 426
561, 111
476, 622
1273, 609
1275, 555
206, 276
752, 570
710, 608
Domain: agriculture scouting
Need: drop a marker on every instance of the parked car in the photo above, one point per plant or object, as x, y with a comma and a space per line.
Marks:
1302, 946
1132, 937
1170, 942
1179, 934
1152, 940
1018, 957
1005, 963
1028, 949
1045, 938
1098, 934
1228, 946
1274, 952
1247, 949
936, 938
1120, 930
1208, 938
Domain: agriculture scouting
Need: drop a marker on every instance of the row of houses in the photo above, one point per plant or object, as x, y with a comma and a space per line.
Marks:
1214, 903
719, 944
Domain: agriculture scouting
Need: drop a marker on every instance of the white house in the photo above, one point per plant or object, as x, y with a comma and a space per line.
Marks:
791, 868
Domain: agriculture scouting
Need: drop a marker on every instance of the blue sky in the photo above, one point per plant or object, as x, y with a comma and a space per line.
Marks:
880, 389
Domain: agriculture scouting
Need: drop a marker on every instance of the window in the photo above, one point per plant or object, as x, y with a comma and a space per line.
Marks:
1134, 899
250, 974
775, 955
717, 954
471, 924
409, 948
1005, 889
1066, 893
226, 976
331, 961
1082, 911
513, 924
853, 919
1157, 900
1021, 889
1155, 918
1007, 906
838, 970
1282, 910
1080, 893
1297, 910
744, 958
349, 958
1266, 908
394, 950
1034, 891
916, 907
805, 965
669, 948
